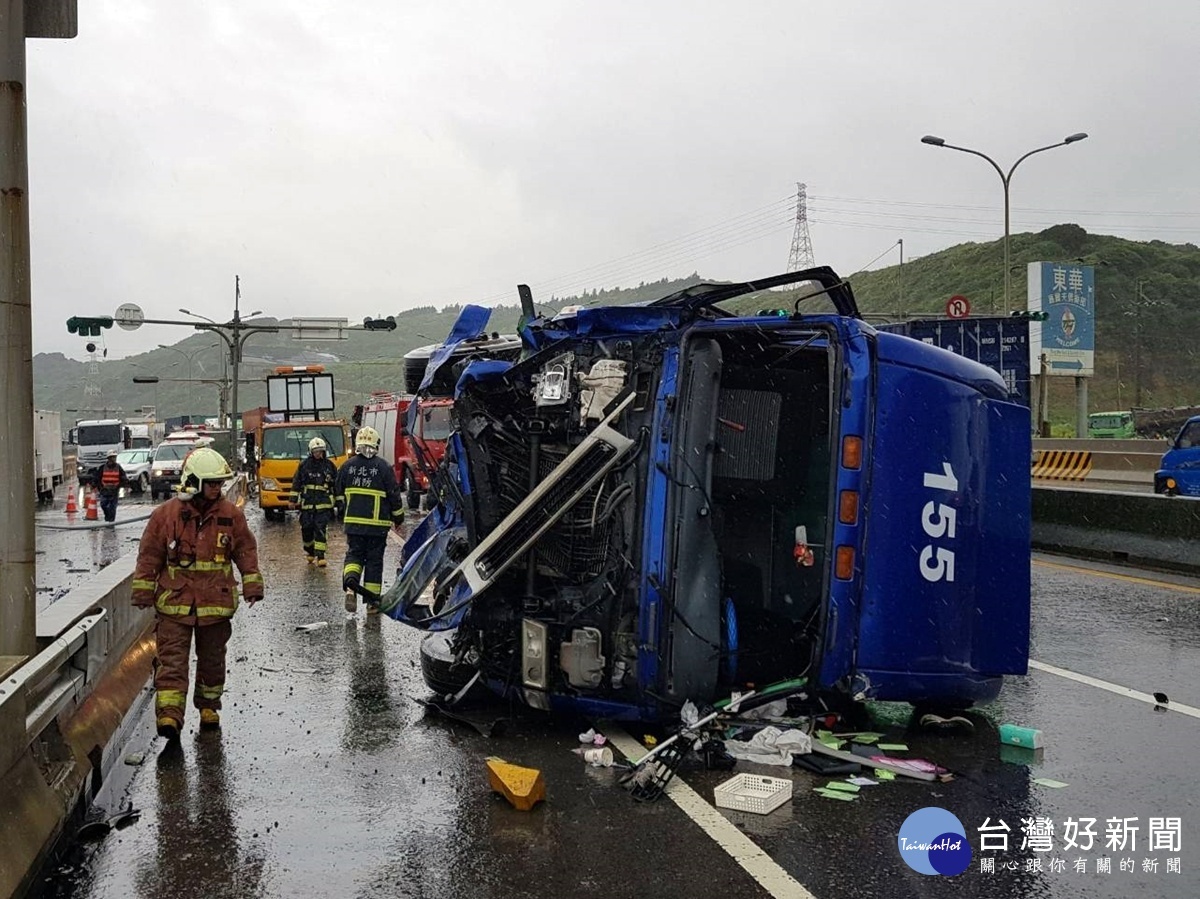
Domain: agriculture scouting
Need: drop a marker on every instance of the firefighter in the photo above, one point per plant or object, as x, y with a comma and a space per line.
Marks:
314, 482
185, 570
367, 490
110, 478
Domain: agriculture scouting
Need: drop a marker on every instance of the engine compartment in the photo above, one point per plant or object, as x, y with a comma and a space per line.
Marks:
745, 467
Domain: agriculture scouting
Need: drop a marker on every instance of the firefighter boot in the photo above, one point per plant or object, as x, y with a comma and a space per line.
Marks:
210, 719
321, 563
169, 728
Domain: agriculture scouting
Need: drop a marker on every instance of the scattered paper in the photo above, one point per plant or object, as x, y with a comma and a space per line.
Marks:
920, 765
884, 774
866, 739
135, 758
893, 747
1049, 782
312, 626
866, 781
835, 794
843, 786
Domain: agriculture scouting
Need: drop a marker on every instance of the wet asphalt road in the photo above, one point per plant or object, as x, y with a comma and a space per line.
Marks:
329, 779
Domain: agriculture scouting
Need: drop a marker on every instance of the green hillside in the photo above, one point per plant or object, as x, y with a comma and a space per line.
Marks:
1145, 345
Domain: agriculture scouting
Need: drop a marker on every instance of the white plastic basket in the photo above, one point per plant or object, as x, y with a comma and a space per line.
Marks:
753, 793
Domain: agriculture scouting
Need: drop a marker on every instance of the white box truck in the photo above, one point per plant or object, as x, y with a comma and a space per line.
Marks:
47, 454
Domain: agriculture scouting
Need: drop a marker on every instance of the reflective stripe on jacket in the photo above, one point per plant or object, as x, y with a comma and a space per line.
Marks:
369, 489
109, 478
314, 483
186, 559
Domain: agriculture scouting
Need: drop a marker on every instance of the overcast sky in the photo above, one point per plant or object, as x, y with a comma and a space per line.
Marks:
361, 158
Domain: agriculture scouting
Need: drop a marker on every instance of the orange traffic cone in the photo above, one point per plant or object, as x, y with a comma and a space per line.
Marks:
72, 507
89, 506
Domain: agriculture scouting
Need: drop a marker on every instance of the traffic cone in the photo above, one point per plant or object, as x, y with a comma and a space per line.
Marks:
72, 507
89, 507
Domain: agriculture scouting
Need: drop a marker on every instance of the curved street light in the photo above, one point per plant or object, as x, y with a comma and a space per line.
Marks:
1006, 179
189, 356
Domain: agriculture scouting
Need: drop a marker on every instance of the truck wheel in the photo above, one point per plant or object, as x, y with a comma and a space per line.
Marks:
439, 671
412, 495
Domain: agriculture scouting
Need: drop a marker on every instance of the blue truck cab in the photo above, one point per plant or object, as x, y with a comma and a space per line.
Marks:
671, 501
1179, 471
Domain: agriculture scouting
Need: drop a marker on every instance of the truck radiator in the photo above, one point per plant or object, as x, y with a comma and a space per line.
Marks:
565, 486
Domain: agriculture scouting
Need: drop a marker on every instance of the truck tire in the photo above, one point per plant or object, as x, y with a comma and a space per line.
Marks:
438, 670
143, 483
412, 494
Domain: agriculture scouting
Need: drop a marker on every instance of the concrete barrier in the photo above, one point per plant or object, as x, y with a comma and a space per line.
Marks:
59, 711
1135, 528
1105, 462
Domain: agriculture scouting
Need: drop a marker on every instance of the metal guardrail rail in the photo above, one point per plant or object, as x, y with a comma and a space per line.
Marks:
53, 679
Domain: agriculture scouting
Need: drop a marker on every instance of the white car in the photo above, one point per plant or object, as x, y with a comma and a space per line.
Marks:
136, 463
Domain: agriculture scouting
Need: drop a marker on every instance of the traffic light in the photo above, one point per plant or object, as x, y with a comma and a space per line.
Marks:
88, 327
380, 324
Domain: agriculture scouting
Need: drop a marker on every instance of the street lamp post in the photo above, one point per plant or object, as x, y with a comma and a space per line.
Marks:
1006, 179
189, 356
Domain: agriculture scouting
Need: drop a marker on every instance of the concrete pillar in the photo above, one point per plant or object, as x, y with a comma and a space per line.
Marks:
18, 587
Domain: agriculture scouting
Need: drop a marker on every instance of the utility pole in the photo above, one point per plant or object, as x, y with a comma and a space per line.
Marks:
18, 570
1136, 310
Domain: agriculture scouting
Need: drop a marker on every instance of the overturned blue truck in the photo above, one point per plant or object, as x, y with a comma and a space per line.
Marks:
666, 502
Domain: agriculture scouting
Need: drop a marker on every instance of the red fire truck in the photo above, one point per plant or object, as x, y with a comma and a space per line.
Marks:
386, 413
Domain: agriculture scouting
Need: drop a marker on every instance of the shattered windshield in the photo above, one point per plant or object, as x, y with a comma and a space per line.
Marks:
435, 423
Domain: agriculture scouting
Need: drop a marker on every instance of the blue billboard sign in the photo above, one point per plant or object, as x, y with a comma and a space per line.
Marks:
1066, 293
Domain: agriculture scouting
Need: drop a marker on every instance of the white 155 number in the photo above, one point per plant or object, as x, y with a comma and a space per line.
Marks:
938, 520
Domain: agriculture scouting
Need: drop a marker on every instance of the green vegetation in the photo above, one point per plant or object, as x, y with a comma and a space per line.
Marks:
1147, 344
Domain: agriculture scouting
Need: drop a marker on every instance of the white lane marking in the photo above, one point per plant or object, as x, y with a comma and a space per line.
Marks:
764, 869
1113, 688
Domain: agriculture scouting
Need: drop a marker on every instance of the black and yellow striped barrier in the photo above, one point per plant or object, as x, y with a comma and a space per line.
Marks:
1061, 465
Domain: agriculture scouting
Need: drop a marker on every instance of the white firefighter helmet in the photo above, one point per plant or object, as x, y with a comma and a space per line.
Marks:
317, 444
202, 464
366, 441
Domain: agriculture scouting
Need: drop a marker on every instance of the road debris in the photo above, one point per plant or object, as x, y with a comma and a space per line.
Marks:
1015, 735
522, 787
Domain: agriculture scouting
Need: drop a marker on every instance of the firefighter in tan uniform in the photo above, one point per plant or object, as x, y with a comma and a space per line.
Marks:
185, 570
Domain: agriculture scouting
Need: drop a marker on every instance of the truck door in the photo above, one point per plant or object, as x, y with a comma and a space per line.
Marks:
945, 569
